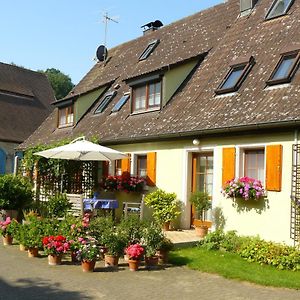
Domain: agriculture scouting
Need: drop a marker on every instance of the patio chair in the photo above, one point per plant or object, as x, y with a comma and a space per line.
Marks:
134, 208
77, 204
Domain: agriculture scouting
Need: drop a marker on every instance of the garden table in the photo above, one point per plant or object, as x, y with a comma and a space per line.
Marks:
105, 204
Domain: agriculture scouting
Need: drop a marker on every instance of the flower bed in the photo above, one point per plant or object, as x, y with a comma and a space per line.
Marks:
244, 187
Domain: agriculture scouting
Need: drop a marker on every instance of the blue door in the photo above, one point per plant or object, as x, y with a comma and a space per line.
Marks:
2, 161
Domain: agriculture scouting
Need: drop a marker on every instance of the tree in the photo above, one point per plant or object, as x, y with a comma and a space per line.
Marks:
60, 82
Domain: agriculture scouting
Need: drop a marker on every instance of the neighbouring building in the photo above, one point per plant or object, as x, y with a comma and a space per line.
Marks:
25, 102
198, 102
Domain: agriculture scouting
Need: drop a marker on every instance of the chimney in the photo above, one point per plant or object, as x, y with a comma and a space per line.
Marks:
151, 26
246, 6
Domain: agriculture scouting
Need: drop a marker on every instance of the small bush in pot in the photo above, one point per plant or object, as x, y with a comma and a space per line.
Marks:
15, 192
165, 206
202, 203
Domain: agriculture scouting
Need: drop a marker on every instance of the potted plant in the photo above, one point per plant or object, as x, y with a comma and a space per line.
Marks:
58, 205
54, 247
202, 202
88, 253
163, 252
165, 207
15, 194
152, 240
6, 231
33, 235
134, 253
114, 243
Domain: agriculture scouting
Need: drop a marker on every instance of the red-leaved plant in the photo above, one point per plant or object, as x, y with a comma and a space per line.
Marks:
134, 251
55, 245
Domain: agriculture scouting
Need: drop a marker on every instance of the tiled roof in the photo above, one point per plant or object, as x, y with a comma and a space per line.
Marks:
25, 98
195, 108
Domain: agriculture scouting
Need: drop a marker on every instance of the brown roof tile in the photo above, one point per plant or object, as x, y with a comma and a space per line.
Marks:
195, 108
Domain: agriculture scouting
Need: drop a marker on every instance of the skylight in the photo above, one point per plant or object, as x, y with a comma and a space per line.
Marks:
149, 49
235, 77
106, 99
279, 8
120, 103
285, 68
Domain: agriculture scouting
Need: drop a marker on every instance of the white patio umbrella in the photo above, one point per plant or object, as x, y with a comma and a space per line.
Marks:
81, 149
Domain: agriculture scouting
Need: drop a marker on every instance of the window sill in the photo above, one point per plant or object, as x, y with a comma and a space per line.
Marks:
144, 111
65, 126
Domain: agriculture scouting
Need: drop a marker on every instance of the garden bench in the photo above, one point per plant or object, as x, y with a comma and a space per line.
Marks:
77, 204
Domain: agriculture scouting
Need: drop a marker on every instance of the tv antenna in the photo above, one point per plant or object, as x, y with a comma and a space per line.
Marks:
106, 19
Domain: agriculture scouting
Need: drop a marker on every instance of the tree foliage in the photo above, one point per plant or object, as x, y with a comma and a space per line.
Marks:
60, 82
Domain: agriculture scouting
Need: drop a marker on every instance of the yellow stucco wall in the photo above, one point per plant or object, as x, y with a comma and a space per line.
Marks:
269, 219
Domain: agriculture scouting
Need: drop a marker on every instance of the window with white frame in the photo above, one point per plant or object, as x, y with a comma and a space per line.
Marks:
141, 165
252, 163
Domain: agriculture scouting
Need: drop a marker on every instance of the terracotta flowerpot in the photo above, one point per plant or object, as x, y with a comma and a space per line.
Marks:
133, 264
7, 240
111, 261
166, 226
163, 256
33, 252
88, 265
54, 260
22, 248
4, 213
151, 262
201, 231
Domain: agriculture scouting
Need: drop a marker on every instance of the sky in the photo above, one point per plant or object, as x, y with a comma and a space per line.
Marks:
65, 34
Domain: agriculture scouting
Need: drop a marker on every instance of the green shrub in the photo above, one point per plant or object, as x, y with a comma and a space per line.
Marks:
58, 205
15, 192
152, 238
213, 240
99, 226
132, 229
165, 205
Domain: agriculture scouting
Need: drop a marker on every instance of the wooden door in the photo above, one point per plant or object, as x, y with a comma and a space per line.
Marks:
202, 176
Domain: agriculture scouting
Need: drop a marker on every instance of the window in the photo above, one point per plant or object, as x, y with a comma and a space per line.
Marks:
146, 97
120, 103
141, 169
279, 8
105, 101
285, 69
65, 116
254, 164
149, 49
235, 77
118, 167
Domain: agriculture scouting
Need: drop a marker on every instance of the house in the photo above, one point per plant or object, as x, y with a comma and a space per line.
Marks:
198, 102
25, 101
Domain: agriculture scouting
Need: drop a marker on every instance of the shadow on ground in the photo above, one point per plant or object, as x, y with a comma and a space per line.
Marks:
26, 289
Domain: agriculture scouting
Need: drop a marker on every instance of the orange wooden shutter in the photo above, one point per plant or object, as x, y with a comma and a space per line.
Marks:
151, 168
228, 164
125, 165
273, 167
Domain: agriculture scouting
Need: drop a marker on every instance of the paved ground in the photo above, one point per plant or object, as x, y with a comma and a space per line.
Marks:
31, 278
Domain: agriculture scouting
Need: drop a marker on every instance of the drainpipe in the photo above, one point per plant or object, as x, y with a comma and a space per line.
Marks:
296, 136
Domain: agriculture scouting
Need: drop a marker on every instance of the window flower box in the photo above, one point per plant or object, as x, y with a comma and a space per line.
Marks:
244, 187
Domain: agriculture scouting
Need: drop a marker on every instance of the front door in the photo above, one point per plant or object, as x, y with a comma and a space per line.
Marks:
202, 176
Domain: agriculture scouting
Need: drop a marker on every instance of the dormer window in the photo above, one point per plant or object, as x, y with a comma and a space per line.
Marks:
66, 116
235, 76
146, 97
105, 101
149, 49
279, 8
285, 69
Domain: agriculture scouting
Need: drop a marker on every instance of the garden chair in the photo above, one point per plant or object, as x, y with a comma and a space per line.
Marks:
136, 208
77, 204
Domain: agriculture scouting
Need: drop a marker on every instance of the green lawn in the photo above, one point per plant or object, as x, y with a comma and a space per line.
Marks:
231, 265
